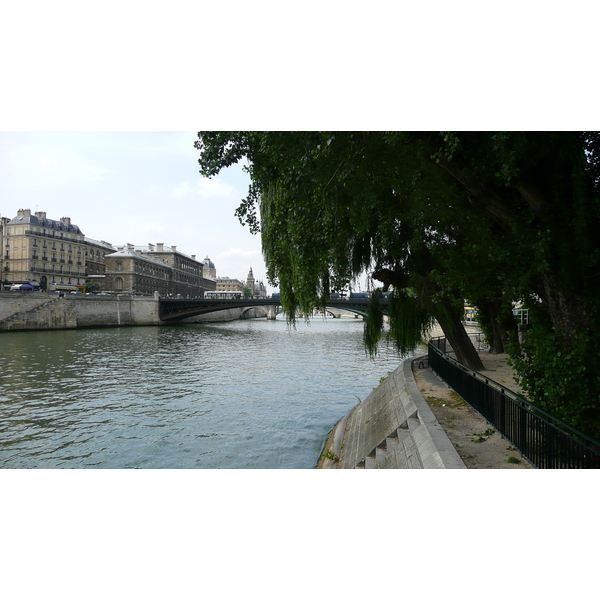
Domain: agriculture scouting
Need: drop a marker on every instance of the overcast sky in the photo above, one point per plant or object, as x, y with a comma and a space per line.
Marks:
131, 187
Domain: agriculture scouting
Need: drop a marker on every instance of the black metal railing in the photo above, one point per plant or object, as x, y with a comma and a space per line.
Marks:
545, 441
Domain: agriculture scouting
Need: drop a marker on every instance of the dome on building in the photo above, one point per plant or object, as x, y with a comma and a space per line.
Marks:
208, 269
208, 263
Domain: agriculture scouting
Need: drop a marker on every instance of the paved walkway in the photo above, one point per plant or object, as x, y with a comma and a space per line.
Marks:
479, 445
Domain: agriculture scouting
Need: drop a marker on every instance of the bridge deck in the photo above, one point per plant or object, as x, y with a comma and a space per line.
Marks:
175, 310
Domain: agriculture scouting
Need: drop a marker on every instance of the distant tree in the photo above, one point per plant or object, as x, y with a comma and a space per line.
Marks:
488, 217
92, 287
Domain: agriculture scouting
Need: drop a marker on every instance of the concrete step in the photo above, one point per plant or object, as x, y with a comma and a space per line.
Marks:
412, 456
380, 454
370, 462
392, 442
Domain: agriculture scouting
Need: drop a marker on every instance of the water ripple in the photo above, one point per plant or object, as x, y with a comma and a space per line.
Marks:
247, 394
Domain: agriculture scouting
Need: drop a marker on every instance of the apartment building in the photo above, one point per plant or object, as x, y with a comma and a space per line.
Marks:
43, 252
229, 284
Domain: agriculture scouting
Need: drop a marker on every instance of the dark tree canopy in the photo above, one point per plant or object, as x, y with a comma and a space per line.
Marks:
439, 218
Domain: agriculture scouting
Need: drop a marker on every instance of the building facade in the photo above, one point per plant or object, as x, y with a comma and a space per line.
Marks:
46, 253
127, 272
55, 255
95, 263
155, 268
227, 284
187, 279
257, 288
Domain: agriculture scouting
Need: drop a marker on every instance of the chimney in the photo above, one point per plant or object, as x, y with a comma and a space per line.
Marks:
159, 247
174, 248
150, 247
40, 214
65, 220
24, 212
193, 257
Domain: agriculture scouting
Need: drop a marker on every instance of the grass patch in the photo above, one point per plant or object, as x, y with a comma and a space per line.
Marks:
457, 399
481, 437
330, 455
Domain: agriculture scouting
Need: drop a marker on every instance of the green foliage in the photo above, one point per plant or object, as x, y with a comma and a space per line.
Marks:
492, 217
92, 287
409, 321
561, 379
374, 323
481, 437
330, 456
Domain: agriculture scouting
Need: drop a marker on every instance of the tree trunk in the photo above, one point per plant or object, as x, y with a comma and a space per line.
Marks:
497, 323
568, 313
451, 324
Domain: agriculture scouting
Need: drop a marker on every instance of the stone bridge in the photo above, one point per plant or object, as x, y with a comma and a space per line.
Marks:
171, 310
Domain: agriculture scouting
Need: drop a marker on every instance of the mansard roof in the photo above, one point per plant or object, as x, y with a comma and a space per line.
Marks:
127, 253
25, 217
100, 243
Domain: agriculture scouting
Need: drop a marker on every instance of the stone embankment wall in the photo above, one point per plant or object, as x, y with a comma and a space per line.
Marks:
232, 314
393, 428
33, 310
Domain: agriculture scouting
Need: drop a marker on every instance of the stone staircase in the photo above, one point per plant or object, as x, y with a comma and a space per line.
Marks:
41, 316
393, 428
397, 451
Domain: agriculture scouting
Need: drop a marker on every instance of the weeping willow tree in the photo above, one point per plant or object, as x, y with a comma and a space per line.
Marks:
409, 322
492, 217
323, 223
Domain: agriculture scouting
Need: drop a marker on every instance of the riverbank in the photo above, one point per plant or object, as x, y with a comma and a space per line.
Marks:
477, 444
32, 311
393, 428
27, 311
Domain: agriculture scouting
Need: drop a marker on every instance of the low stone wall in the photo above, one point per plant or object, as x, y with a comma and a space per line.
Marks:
32, 310
393, 428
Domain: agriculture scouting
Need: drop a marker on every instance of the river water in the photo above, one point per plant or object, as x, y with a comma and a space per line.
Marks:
244, 394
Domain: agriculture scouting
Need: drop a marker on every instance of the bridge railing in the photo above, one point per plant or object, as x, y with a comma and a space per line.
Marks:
545, 441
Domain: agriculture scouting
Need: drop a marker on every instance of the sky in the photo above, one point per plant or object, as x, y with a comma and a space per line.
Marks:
132, 187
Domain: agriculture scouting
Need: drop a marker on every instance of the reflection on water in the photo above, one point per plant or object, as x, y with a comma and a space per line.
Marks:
246, 394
